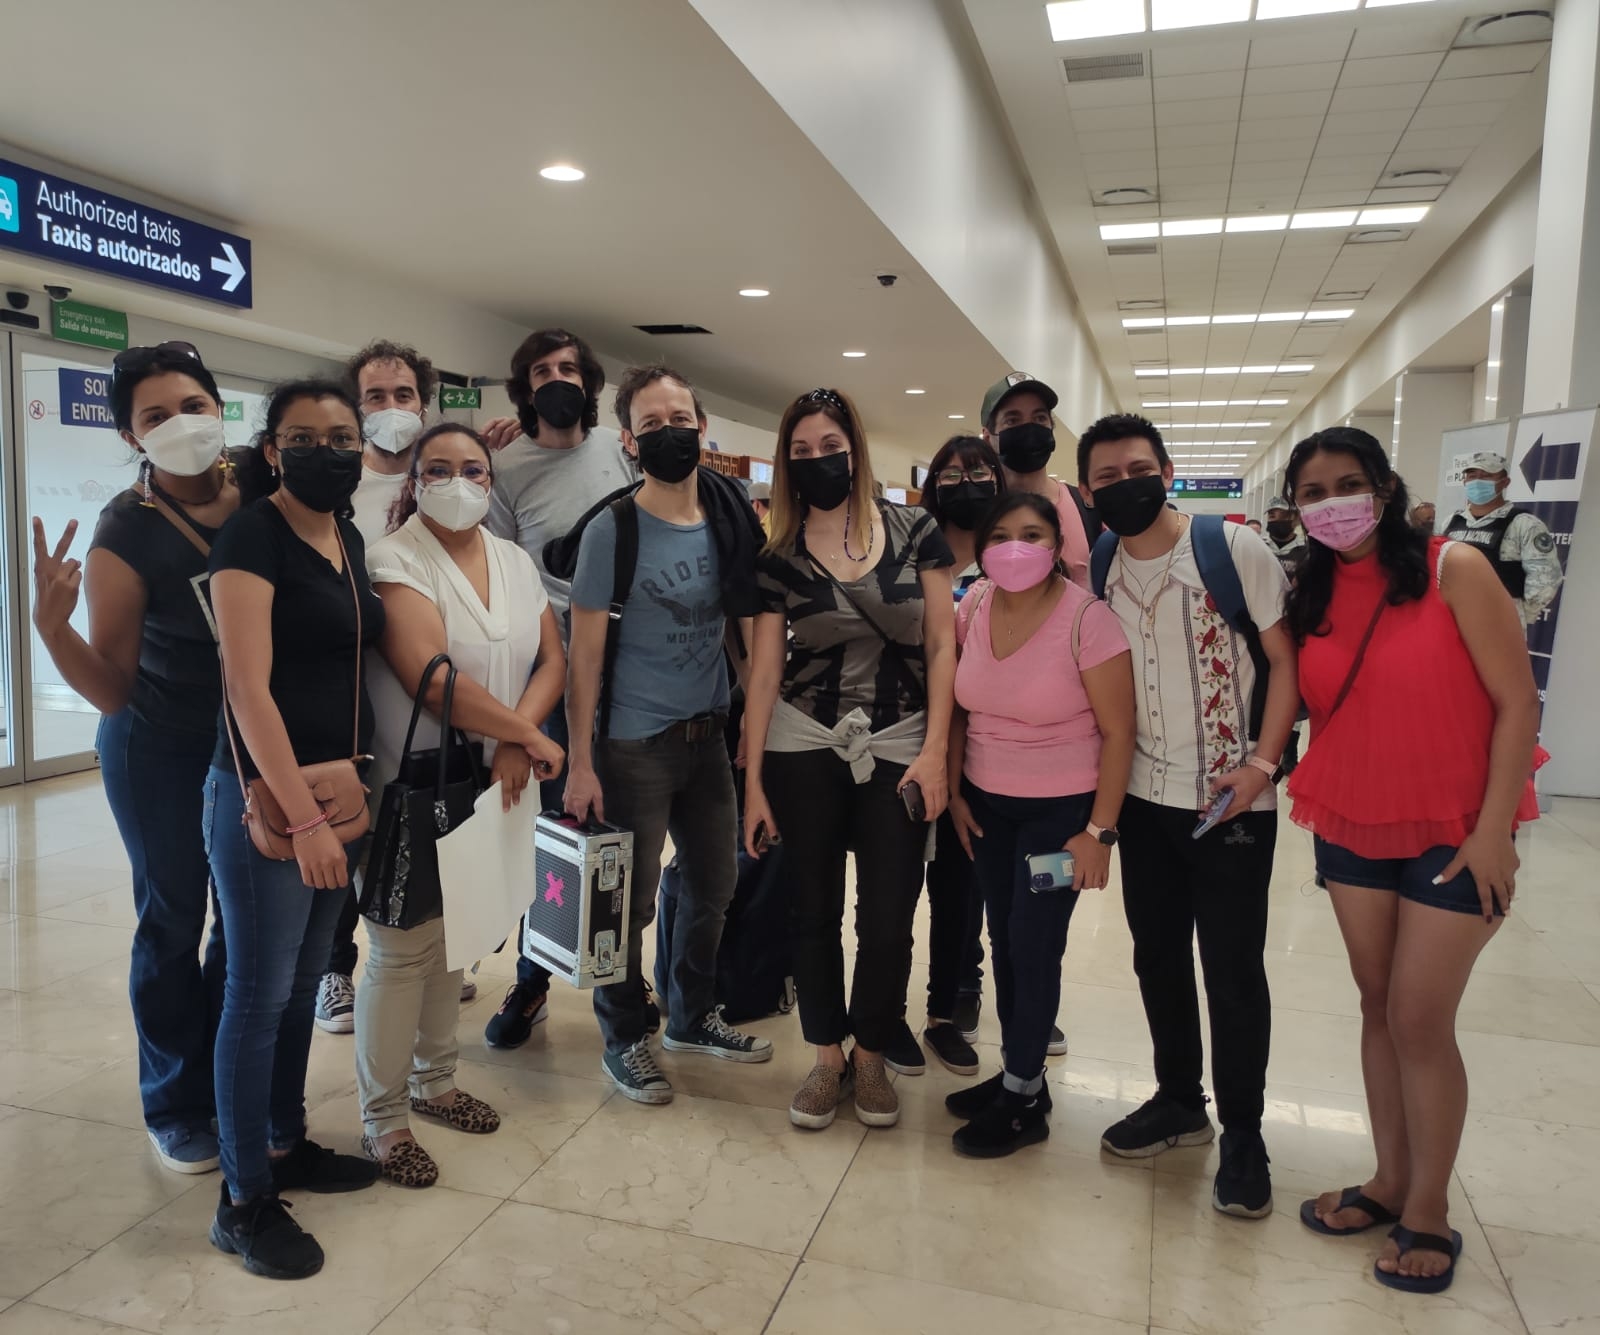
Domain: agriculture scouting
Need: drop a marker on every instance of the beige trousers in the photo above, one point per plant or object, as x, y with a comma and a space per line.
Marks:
406, 1012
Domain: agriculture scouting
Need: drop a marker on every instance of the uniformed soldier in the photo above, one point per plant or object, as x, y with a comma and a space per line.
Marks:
1516, 541
1288, 543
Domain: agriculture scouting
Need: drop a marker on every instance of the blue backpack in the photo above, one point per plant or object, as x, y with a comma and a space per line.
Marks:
1221, 578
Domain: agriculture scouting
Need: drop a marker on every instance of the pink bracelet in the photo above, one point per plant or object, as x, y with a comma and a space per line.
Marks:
322, 819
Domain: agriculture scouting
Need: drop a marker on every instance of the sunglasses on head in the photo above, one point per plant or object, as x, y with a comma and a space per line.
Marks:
130, 359
828, 396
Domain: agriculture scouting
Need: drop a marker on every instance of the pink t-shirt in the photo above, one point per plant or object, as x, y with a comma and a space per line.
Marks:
1074, 541
1030, 727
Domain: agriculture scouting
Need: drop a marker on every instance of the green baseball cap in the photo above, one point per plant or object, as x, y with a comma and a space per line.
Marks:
1016, 383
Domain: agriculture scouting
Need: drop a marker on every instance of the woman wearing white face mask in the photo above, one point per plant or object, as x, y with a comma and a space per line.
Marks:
447, 587
149, 664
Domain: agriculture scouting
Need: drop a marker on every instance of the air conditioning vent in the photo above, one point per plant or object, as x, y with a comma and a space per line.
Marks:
1527, 24
671, 329
1090, 69
1132, 248
1138, 333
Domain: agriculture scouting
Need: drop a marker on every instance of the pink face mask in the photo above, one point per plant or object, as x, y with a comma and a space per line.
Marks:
1340, 522
1016, 566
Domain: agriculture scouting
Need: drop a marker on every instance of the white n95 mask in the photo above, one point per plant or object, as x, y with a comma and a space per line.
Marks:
185, 445
455, 504
394, 430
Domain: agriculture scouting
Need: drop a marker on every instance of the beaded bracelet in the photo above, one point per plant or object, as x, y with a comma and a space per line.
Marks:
294, 831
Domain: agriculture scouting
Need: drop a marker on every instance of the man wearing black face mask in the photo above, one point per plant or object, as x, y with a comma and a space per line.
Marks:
648, 753
1019, 426
1198, 600
546, 476
1288, 543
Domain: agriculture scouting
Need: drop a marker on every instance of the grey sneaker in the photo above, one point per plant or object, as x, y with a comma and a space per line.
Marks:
715, 1037
816, 1101
635, 1073
186, 1151
469, 990
336, 1004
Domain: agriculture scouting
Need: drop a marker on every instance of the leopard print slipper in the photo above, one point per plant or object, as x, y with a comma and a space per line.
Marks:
407, 1164
465, 1114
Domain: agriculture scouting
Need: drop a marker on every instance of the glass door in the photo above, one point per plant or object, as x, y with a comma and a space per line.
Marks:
12, 571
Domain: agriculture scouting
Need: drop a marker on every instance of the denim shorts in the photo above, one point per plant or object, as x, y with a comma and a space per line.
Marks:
1410, 878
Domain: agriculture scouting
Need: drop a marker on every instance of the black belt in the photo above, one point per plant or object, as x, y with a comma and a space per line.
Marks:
700, 728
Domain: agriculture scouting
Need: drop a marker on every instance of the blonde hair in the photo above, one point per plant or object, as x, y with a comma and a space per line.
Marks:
788, 510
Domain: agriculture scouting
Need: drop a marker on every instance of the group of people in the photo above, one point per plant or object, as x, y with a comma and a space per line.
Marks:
987, 694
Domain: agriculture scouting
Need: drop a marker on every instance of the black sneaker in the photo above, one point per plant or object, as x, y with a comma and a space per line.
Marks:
310, 1167
635, 1073
968, 1103
904, 1053
715, 1037
261, 1234
953, 1051
1057, 1046
523, 1008
969, 1005
1156, 1127
1244, 1183
1004, 1127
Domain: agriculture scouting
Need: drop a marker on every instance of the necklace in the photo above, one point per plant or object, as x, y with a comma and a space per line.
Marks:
1149, 613
1005, 619
147, 484
849, 556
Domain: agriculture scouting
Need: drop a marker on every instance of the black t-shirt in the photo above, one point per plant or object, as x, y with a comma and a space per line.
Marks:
313, 632
177, 687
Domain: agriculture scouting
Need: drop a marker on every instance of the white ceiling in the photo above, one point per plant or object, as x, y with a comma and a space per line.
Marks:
405, 138
1266, 117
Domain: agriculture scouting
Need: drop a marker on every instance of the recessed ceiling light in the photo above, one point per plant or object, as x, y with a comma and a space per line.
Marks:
1233, 319
754, 292
916, 391
1405, 213
1197, 13
1329, 315
1073, 20
1269, 317
1145, 322
1214, 403
1285, 369
1323, 218
1280, 317
855, 354
958, 417
1128, 231
1288, 9
1192, 227
1293, 368
561, 171
1259, 222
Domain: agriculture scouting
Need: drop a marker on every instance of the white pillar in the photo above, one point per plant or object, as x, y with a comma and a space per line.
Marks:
1426, 405
1505, 373
1563, 370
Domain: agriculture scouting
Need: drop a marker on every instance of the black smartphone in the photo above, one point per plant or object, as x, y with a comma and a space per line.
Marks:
911, 795
764, 840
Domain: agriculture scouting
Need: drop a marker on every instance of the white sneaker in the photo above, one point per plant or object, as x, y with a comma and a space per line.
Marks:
469, 990
336, 1004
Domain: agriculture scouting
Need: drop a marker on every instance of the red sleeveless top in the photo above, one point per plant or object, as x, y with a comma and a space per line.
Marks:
1401, 768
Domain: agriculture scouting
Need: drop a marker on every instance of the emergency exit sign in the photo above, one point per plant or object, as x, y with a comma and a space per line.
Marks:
458, 396
92, 326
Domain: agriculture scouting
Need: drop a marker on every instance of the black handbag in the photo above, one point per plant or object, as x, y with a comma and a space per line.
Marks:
433, 793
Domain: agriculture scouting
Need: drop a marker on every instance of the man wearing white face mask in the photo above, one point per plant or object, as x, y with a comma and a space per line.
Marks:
394, 384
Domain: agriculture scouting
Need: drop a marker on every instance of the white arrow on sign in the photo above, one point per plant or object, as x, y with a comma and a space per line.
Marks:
229, 266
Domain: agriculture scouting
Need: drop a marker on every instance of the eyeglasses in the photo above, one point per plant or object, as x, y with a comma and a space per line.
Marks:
954, 477
439, 471
299, 439
828, 396
130, 359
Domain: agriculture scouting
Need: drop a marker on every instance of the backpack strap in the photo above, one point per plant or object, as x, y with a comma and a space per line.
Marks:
1209, 536
1100, 559
625, 560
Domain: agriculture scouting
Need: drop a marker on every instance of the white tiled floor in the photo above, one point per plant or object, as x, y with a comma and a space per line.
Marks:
587, 1213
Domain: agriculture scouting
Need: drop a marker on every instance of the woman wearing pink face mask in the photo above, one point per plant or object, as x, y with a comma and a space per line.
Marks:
1040, 750
1423, 715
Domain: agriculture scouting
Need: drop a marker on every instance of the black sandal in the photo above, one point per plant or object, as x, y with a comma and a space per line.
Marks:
1408, 1240
1351, 1198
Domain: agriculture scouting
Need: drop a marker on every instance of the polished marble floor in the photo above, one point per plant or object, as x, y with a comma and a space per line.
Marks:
587, 1213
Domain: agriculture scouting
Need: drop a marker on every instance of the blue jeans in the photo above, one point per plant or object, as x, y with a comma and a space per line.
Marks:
278, 931
153, 779
551, 792
1027, 931
656, 786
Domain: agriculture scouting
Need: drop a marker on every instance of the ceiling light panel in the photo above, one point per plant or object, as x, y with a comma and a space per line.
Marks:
1192, 227
1214, 403
1288, 9
1324, 218
1074, 20
1258, 222
1393, 215
1267, 317
1167, 14
1135, 231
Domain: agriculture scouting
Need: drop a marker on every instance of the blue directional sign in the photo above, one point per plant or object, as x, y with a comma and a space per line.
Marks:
85, 397
57, 219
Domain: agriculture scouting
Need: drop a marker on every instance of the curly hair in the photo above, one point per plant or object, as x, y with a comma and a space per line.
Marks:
382, 350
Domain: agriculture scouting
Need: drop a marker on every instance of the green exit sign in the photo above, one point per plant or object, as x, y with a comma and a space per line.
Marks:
92, 326
456, 396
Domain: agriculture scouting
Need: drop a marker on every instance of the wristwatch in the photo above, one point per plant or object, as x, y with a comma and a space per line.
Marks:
1273, 772
1107, 837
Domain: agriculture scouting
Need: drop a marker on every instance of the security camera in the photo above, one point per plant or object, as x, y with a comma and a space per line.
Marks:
57, 291
887, 279
18, 301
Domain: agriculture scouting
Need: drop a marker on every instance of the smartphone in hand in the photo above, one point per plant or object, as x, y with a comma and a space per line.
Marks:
1055, 870
916, 807
1215, 812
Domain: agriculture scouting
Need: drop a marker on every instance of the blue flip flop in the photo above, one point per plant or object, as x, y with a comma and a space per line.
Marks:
1409, 1240
1351, 1198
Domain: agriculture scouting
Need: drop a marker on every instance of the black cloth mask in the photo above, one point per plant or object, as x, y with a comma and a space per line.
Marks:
1280, 530
557, 402
669, 453
1130, 506
320, 477
965, 503
1027, 448
823, 482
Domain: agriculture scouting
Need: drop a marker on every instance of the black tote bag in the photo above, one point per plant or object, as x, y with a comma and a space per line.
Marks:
432, 794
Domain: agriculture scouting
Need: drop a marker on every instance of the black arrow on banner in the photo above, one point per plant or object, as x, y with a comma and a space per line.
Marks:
1550, 463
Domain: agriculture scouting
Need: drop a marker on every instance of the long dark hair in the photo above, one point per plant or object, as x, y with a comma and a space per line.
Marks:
1402, 551
1003, 505
405, 504
965, 451
254, 473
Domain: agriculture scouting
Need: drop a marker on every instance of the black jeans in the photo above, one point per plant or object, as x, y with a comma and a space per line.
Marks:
821, 812
1027, 930
1174, 889
955, 924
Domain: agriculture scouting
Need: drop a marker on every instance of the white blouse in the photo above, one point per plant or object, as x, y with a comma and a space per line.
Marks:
495, 646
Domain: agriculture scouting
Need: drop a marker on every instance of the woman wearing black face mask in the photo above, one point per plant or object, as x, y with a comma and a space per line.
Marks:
851, 752
294, 613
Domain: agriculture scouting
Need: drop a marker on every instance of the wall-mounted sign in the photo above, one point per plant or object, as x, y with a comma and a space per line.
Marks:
61, 220
232, 412
1207, 488
92, 326
459, 396
85, 397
